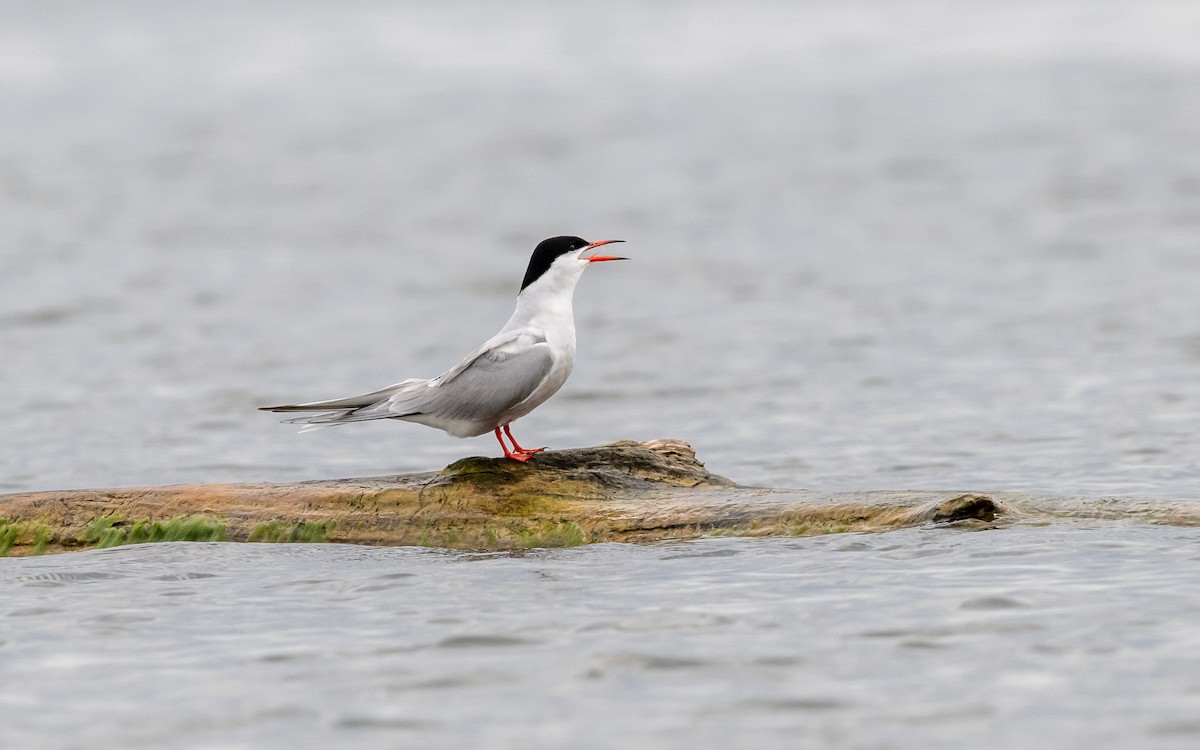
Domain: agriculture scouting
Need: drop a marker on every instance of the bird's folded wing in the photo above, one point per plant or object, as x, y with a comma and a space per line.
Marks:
503, 343
506, 371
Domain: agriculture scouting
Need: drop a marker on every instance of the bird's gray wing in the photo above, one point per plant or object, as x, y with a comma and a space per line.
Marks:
506, 371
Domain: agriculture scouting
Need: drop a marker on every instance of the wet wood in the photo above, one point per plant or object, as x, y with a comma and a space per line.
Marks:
625, 491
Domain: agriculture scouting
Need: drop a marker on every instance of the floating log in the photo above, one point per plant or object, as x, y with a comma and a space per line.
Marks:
622, 492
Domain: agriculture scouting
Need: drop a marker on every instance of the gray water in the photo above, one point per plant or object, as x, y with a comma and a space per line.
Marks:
927, 245
930, 245
1046, 637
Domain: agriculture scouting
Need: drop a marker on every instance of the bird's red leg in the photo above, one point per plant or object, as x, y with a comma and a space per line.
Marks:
526, 452
519, 455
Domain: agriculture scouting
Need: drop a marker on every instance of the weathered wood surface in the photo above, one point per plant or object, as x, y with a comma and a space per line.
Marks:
625, 491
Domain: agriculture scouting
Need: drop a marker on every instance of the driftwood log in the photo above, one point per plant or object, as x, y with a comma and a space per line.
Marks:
623, 492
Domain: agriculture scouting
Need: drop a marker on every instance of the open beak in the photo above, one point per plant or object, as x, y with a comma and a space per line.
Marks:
598, 258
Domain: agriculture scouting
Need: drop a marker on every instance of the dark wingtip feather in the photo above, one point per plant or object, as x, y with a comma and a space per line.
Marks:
293, 407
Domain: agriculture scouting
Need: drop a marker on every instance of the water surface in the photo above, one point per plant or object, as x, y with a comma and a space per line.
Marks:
928, 245
914, 245
1055, 637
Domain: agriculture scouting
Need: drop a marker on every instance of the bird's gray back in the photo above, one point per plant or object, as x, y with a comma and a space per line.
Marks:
483, 388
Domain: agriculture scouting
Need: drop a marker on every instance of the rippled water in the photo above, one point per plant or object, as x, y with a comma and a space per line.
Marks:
1047, 637
930, 245
911, 245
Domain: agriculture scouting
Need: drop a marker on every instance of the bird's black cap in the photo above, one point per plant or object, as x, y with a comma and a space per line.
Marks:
546, 253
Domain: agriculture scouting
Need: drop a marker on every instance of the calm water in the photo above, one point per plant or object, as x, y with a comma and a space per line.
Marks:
1064, 638
933, 245
907, 245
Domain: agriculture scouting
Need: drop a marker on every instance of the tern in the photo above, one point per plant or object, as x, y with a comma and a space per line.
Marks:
513, 373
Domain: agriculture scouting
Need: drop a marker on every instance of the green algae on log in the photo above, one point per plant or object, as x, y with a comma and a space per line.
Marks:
626, 491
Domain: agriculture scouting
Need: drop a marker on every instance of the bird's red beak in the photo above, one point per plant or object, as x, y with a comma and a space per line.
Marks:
598, 258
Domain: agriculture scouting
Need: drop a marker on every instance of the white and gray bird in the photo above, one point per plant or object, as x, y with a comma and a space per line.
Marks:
512, 374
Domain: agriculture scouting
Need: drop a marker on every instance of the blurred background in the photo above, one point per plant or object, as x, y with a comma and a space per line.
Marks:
912, 244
